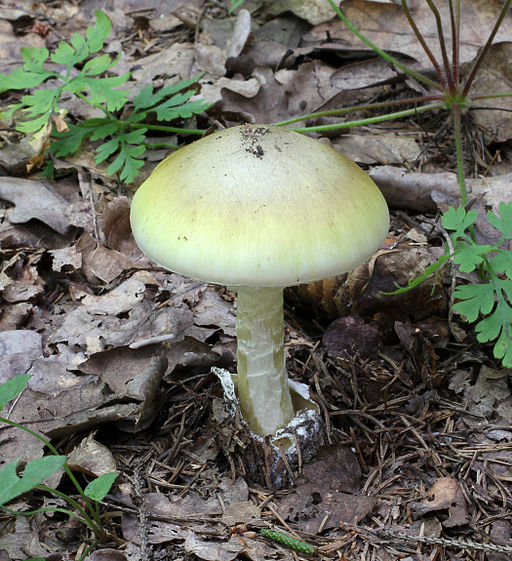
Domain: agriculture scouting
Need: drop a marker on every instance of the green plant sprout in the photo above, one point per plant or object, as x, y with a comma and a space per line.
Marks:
492, 297
36, 471
84, 76
289, 541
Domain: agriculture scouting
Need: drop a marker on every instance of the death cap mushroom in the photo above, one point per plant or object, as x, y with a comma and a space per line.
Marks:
257, 205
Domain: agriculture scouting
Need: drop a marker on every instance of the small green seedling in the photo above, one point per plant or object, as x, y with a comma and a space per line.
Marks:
36, 471
288, 541
75, 68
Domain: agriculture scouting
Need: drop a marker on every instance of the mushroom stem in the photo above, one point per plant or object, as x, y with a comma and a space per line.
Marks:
263, 390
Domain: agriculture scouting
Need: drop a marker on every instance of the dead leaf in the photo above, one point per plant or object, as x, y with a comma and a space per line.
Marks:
494, 76
92, 458
445, 495
99, 262
314, 11
379, 148
380, 22
489, 397
44, 201
106, 554
328, 495
351, 334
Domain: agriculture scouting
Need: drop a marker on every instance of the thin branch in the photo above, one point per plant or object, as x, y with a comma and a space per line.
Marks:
455, 25
424, 45
442, 44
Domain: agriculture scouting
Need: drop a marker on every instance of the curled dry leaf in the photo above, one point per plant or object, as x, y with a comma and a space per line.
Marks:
445, 495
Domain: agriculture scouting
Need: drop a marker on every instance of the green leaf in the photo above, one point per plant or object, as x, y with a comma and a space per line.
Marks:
469, 257
18, 79
503, 347
101, 90
69, 142
12, 388
34, 58
99, 487
146, 98
501, 262
474, 299
107, 149
235, 4
96, 35
41, 101
126, 160
166, 112
63, 54
458, 219
11, 486
104, 130
34, 125
502, 223
81, 47
98, 65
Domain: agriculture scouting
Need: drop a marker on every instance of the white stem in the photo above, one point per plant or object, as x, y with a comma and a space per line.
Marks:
263, 390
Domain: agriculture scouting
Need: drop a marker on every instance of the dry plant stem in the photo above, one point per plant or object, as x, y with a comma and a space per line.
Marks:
263, 390
442, 44
423, 43
455, 25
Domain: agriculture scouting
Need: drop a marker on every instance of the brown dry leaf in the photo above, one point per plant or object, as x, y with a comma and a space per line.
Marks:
117, 318
445, 494
115, 232
167, 512
328, 495
67, 402
495, 76
489, 398
379, 148
91, 457
27, 287
351, 334
361, 293
10, 43
363, 74
210, 550
178, 56
106, 554
24, 541
99, 262
380, 22
314, 11
66, 257
42, 200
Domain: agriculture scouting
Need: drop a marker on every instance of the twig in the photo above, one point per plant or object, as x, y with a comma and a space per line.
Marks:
466, 545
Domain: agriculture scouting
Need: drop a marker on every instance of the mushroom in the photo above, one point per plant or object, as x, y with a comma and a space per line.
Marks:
259, 208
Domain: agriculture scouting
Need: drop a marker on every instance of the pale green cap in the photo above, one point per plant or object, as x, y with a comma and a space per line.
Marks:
257, 205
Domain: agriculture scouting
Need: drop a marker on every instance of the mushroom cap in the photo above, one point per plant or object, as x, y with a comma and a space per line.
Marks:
257, 205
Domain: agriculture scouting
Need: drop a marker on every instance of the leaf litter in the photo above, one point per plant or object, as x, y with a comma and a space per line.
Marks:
416, 463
